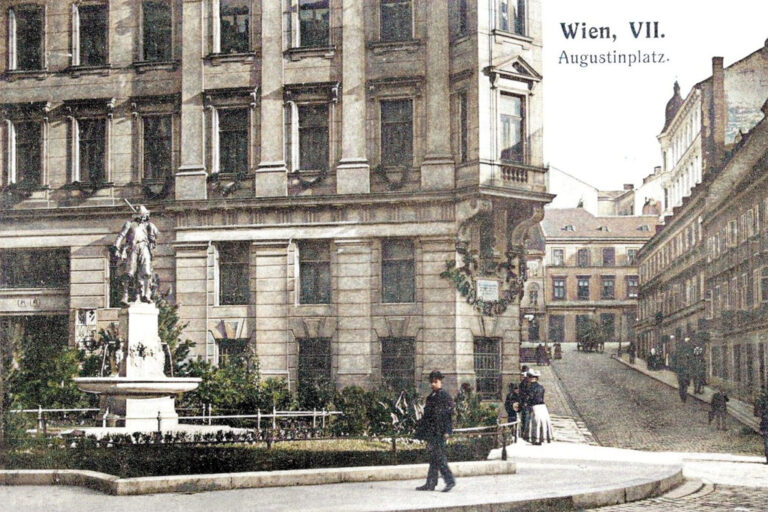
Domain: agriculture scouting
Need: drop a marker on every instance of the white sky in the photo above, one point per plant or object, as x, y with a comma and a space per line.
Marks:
601, 121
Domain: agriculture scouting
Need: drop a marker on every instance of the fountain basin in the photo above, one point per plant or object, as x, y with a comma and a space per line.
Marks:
122, 386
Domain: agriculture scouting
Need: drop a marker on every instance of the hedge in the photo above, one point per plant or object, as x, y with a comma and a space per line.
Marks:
157, 460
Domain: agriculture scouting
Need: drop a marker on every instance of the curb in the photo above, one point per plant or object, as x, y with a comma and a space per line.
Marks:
737, 415
111, 484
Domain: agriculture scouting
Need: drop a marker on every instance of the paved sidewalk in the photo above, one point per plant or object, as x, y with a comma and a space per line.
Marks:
738, 409
540, 484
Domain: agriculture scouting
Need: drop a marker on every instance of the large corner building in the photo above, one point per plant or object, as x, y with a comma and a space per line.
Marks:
312, 166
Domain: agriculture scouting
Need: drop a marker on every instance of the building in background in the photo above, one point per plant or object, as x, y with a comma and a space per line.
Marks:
572, 192
700, 128
288, 152
590, 271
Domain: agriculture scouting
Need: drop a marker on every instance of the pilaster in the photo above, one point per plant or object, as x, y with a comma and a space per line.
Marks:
271, 177
269, 295
353, 174
191, 175
353, 298
437, 169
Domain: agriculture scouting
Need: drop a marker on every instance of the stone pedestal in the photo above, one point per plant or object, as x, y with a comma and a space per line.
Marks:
140, 395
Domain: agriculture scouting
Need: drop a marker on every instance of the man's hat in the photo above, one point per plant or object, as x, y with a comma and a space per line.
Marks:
435, 375
533, 373
142, 211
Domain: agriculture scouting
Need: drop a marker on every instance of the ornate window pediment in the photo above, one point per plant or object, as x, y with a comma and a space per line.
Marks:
513, 68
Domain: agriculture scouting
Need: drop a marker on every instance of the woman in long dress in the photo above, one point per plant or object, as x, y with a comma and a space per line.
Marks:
540, 424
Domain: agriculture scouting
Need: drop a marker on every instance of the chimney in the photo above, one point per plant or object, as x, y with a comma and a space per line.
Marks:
629, 186
718, 116
657, 169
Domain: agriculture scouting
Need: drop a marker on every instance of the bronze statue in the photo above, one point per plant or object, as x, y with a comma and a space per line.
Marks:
134, 246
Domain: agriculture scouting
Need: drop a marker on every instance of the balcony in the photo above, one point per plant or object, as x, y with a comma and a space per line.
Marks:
512, 175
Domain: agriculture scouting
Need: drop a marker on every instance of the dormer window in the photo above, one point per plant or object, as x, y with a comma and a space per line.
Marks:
568, 227
644, 227
603, 228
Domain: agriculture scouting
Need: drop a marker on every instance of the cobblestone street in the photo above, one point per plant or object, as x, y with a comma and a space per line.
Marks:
623, 408
710, 499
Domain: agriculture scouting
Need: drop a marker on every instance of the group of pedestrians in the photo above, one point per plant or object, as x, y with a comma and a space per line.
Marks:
525, 401
689, 365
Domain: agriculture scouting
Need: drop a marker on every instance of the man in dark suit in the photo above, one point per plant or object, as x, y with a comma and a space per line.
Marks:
432, 428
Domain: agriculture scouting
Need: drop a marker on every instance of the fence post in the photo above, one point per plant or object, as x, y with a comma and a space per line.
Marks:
209, 413
503, 444
258, 420
314, 418
323, 418
159, 419
274, 418
39, 418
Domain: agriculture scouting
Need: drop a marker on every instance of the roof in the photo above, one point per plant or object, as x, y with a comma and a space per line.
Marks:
579, 223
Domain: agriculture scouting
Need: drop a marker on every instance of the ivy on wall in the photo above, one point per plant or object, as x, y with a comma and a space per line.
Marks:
465, 276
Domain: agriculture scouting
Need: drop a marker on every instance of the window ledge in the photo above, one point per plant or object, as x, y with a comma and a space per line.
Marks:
153, 65
408, 45
511, 35
87, 187
304, 52
217, 59
21, 74
77, 71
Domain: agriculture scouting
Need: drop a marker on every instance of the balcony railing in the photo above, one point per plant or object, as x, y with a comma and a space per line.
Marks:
516, 175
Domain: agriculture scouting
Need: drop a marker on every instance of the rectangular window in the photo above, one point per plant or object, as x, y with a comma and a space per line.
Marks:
397, 271
558, 288
749, 359
558, 257
314, 361
764, 285
512, 16
397, 363
93, 34
34, 268
462, 18
25, 41
396, 20
733, 233
314, 27
583, 288
609, 257
608, 325
608, 287
583, 257
157, 147
488, 367
232, 351
397, 133
761, 363
556, 328
234, 26
91, 150
737, 363
233, 274
233, 140
583, 323
156, 42
463, 128
115, 283
631, 256
27, 138
512, 128
313, 137
632, 287
315, 273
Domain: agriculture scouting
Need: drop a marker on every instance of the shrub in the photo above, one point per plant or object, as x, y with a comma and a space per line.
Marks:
354, 402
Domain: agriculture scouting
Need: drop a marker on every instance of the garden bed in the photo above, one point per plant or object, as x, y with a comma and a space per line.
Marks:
129, 461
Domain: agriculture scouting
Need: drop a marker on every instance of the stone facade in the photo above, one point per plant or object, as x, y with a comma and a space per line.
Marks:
240, 210
699, 128
590, 271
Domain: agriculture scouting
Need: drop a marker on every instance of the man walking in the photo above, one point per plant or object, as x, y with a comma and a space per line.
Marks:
432, 428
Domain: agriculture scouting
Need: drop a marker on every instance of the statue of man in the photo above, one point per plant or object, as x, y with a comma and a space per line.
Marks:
134, 246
